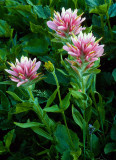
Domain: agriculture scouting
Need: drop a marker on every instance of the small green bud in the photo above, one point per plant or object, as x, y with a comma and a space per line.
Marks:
49, 66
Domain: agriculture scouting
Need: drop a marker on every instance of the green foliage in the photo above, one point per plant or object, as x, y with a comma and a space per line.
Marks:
25, 135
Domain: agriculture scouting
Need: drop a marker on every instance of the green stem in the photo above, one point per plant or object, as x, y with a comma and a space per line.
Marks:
107, 16
31, 94
63, 114
57, 84
84, 131
37, 110
91, 142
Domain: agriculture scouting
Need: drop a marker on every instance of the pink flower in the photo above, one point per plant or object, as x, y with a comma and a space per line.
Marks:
85, 48
66, 23
23, 71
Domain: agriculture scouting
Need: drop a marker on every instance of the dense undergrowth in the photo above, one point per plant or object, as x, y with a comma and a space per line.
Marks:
91, 130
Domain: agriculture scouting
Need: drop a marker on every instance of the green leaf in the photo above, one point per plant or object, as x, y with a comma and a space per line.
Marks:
96, 125
66, 101
8, 138
3, 53
112, 10
110, 147
113, 131
36, 46
88, 112
114, 74
36, 28
77, 117
94, 3
95, 144
63, 139
7, 82
4, 101
51, 99
102, 9
39, 11
42, 133
53, 108
96, 20
87, 30
5, 29
14, 96
23, 107
28, 124
78, 95
66, 156
2, 148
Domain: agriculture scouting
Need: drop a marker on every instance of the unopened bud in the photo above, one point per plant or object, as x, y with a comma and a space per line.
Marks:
49, 66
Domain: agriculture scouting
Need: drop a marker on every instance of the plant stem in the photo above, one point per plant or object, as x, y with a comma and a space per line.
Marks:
31, 94
91, 142
63, 114
38, 109
57, 84
84, 123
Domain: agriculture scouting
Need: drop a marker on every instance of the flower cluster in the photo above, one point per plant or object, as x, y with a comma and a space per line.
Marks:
66, 23
23, 71
85, 48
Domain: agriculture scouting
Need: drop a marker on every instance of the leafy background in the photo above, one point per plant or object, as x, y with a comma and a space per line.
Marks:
23, 31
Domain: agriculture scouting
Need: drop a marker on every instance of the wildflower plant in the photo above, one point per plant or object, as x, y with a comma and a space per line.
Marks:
24, 70
69, 121
66, 23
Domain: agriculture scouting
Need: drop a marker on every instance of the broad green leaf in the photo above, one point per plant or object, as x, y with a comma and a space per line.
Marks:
88, 29
8, 138
42, 133
3, 54
28, 124
112, 10
96, 125
36, 28
78, 95
95, 144
39, 11
96, 20
51, 99
2, 148
5, 29
8, 82
47, 11
53, 108
67, 156
114, 74
10, 3
37, 46
14, 96
110, 147
102, 9
113, 131
77, 117
94, 3
66, 101
4, 101
23, 107
88, 112
63, 139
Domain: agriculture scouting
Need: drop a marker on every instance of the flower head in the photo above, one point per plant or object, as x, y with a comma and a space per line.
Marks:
66, 23
23, 71
85, 48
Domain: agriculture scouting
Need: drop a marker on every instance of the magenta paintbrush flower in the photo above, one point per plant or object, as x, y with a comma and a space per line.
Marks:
66, 23
23, 71
85, 48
